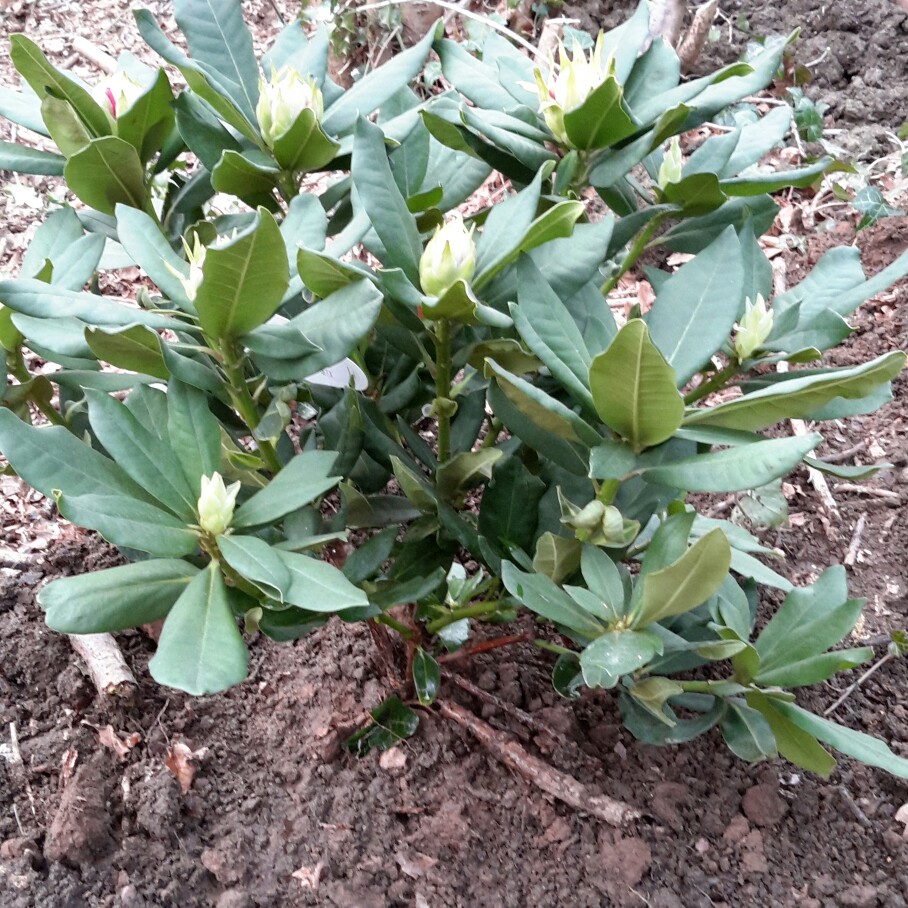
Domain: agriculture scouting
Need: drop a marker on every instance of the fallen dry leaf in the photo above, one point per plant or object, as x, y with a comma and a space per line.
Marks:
112, 740
901, 816
180, 760
309, 877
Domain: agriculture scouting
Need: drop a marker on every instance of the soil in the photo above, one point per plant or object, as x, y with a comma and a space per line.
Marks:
273, 812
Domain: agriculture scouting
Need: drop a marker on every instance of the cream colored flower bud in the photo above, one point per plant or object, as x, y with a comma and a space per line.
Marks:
216, 504
753, 329
283, 99
670, 169
117, 93
450, 256
195, 255
569, 84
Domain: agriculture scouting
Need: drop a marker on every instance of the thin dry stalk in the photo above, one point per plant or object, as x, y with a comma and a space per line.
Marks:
545, 777
695, 39
108, 671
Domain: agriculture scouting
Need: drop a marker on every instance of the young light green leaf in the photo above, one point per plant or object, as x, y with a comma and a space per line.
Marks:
615, 654
633, 388
683, 585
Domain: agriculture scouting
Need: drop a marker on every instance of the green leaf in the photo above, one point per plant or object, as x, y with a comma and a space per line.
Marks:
304, 146
798, 397
696, 308
603, 578
747, 733
810, 620
151, 462
305, 582
735, 469
633, 388
105, 173
53, 458
22, 159
509, 511
149, 249
220, 43
615, 654
323, 274
130, 523
201, 651
392, 722
380, 197
557, 557
115, 598
46, 79
781, 179
244, 280
683, 585
426, 676
696, 195
149, 119
137, 349
334, 326
193, 431
249, 175
865, 748
540, 595
794, 743
23, 108
814, 669
653, 693
602, 119
302, 480
464, 470
547, 328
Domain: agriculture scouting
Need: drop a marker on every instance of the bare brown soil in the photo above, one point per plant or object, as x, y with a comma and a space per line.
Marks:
277, 814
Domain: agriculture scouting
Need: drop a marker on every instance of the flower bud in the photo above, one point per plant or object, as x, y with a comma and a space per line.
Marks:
450, 256
566, 88
117, 93
283, 99
670, 169
753, 329
196, 258
216, 504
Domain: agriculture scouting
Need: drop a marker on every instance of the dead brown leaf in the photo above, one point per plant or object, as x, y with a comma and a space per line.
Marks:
120, 745
180, 761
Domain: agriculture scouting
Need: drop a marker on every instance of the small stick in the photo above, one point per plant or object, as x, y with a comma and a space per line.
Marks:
552, 781
100, 58
108, 671
666, 17
852, 553
859, 814
867, 490
847, 454
855, 685
483, 647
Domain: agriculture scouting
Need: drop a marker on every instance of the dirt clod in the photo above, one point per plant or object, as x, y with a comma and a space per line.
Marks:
763, 806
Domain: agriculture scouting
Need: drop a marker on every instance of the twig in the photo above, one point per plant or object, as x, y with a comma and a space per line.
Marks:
694, 40
108, 671
100, 58
852, 804
852, 553
847, 454
867, 490
552, 781
853, 686
666, 17
483, 647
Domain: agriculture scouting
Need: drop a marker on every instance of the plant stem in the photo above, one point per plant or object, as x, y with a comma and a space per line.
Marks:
715, 383
394, 624
633, 254
554, 648
443, 387
476, 610
244, 404
495, 427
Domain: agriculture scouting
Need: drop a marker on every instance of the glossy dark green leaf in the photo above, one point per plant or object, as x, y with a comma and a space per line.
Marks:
137, 349
392, 722
508, 512
304, 146
115, 598
200, 650
194, 433
426, 676
602, 119
747, 733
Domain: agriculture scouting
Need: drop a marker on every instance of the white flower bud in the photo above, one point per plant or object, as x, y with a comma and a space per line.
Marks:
450, 256
754, 328
670, 169
117, 93
216, 504
568, 86
283, 99
196, 258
